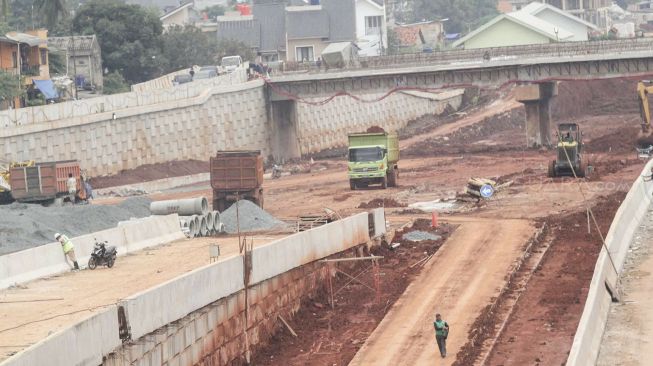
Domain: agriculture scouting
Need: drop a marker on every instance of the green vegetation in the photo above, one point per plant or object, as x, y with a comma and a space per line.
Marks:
9, 86
114, 83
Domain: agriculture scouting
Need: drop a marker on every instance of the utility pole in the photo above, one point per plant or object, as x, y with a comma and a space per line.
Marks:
74, 66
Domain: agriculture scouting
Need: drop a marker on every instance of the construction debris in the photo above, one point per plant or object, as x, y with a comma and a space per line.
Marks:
474, 186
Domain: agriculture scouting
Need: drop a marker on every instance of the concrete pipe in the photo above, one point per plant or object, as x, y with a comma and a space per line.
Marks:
197, 221
204, 230
191, 206
209, 221
189, 224
216, 221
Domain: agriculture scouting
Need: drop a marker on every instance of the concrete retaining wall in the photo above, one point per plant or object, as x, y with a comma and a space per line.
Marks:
631, 213
194, 320
172, 300
143, 95
327, 126
233, 117
47, 260
156, 185
83, 344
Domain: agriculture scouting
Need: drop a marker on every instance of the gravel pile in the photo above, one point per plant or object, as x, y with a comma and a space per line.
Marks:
252, 218
25, 225
420, 236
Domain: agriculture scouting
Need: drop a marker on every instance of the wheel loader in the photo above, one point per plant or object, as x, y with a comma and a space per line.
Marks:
568, 152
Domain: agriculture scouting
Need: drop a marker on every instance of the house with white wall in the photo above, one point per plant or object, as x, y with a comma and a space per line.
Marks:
371, 27
567, 21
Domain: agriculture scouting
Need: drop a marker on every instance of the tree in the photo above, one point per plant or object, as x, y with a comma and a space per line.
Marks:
129, 37
214, 11
51, 10
9, 86
228, 47
114, 83
187, 46
463, 15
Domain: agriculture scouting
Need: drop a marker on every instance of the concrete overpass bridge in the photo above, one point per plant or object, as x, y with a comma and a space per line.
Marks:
535, 68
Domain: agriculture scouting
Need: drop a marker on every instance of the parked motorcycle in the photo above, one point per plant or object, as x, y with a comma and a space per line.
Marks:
102, 255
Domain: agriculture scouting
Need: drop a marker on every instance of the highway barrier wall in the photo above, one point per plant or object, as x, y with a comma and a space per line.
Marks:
83, 344
207, 317
587, 341
48, 259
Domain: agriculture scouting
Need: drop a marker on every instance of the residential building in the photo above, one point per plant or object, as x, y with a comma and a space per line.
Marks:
593, 11
302, 30
163, 6
536, 23
27, 56
180, 16
83, 58
420, 36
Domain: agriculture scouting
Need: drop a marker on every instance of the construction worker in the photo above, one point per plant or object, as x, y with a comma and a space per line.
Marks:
441, 333
71, 184
68, 249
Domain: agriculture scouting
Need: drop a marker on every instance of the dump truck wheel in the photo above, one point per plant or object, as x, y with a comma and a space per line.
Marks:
552, 169
384, 183
352, 185
392, 178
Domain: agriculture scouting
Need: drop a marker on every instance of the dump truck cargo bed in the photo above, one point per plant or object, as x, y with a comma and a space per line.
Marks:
236, 175
43, 181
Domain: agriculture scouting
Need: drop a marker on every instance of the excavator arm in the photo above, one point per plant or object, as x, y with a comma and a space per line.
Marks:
643, 91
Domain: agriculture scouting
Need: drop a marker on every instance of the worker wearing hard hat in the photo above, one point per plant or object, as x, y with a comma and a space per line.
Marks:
68, 248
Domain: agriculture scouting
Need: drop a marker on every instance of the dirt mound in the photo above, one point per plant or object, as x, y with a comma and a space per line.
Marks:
502, 132
381, 202
375, 129
150, 172
595, 97
248, 217
624, 140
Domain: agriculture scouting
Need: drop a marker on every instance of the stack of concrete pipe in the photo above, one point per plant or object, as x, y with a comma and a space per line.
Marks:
195, 218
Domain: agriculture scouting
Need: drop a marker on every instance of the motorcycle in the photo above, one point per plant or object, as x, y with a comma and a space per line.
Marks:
102, 255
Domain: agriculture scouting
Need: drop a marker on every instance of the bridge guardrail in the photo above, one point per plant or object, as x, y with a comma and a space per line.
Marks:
564, 49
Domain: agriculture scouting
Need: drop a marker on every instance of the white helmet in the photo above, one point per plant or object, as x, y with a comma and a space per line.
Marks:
56, 236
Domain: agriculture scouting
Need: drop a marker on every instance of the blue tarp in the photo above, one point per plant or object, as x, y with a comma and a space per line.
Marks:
451, 36
47, 88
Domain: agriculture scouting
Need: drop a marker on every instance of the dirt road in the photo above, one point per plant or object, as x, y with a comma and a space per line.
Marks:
459, 281
25, 311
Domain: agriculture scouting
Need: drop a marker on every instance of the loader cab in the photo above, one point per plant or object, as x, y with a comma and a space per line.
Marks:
569, 133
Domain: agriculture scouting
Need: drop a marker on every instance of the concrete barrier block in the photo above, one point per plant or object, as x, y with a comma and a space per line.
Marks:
84, 343
177, 298
379, 222
631, 213
293, 251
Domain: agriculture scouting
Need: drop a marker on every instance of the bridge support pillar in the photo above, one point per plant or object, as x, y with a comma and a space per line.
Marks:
284, 138
536, 99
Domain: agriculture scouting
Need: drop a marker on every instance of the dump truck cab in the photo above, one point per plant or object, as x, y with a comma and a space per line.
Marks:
372, 159
568, 152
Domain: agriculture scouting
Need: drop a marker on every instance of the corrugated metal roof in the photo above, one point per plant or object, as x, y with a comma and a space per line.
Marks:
307, 24
246, 31
29, 39
81, 43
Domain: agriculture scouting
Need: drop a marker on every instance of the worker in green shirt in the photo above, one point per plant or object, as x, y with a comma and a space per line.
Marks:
68, 249
441, 333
